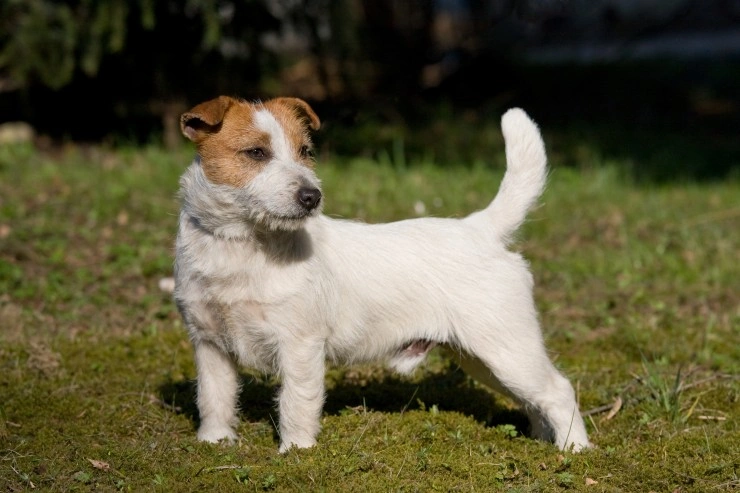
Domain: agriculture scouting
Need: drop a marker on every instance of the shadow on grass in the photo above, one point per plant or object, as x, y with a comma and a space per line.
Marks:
448, 391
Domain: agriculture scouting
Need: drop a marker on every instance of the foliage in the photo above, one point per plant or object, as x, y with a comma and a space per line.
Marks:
637, 285
48, 40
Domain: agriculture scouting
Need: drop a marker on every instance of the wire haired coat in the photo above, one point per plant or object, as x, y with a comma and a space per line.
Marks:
264, 280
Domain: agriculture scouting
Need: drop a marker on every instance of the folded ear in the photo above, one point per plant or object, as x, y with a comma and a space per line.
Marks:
204, 118
302, 111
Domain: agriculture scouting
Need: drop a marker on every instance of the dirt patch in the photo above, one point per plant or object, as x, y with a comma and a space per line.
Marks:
43, 359
11, 319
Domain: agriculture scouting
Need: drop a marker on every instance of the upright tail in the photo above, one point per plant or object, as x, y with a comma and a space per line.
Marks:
526, 173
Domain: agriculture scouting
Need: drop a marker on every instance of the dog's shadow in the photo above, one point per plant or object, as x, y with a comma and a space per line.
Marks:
450, 390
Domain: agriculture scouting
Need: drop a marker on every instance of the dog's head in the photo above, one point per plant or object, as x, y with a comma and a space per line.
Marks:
260, 155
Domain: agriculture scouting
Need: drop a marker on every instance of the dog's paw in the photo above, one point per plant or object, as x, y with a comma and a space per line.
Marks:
579, 446
215, 434
285, 446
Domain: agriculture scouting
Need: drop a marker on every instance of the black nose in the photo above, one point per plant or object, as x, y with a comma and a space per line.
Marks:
309, 197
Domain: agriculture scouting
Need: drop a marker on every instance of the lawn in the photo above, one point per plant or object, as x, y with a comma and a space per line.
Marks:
638, 286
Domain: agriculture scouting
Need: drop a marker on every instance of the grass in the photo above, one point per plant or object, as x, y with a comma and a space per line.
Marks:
638, 286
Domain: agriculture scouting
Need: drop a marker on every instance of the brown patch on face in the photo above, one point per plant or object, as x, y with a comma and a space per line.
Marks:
296, 117
301, 110
232, 149
223, 131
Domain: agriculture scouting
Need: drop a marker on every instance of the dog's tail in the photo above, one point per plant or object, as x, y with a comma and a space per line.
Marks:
526, 173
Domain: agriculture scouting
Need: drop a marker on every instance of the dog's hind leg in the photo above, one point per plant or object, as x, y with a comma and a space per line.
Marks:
218, 388
527, 374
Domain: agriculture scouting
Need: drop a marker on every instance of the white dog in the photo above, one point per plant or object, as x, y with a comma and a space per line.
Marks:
264, 280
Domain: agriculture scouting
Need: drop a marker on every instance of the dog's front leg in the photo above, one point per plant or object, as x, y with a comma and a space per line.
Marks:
218, 388
301, 396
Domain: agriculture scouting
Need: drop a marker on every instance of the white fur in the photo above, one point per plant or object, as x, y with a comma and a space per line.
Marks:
262, 284
265, 120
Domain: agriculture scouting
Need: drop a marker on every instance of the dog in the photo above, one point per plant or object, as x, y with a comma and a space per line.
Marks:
264, 280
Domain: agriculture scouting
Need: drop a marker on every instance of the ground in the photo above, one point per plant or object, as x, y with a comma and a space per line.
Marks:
638, 285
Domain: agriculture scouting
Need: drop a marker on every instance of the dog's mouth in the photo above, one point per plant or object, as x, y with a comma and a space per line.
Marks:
287, 215
288, 222
300, 214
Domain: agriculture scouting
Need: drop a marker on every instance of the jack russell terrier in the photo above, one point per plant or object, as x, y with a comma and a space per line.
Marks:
263, 279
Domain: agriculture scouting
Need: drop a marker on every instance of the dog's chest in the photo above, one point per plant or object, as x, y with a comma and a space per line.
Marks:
228, 290
237, 328
231, 272
224, 311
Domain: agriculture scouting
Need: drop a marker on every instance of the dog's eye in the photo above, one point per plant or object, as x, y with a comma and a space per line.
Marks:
306, 152
256, 153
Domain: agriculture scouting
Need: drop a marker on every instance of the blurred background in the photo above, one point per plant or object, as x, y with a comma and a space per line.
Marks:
658, 80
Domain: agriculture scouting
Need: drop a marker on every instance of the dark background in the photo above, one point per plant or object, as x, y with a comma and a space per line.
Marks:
658, 80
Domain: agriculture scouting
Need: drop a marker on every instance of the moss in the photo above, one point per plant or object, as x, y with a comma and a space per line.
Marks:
637, 287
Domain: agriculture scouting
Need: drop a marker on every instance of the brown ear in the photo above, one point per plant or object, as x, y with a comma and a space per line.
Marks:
204, 118
303, 110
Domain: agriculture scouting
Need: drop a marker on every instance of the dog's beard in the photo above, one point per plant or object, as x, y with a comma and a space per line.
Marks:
275, 222
229, 212
246, 209
271, 201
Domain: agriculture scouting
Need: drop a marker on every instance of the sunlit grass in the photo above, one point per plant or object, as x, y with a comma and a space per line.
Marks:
637, 285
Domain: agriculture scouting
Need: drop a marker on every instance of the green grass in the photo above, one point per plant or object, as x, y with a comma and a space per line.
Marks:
638, 286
